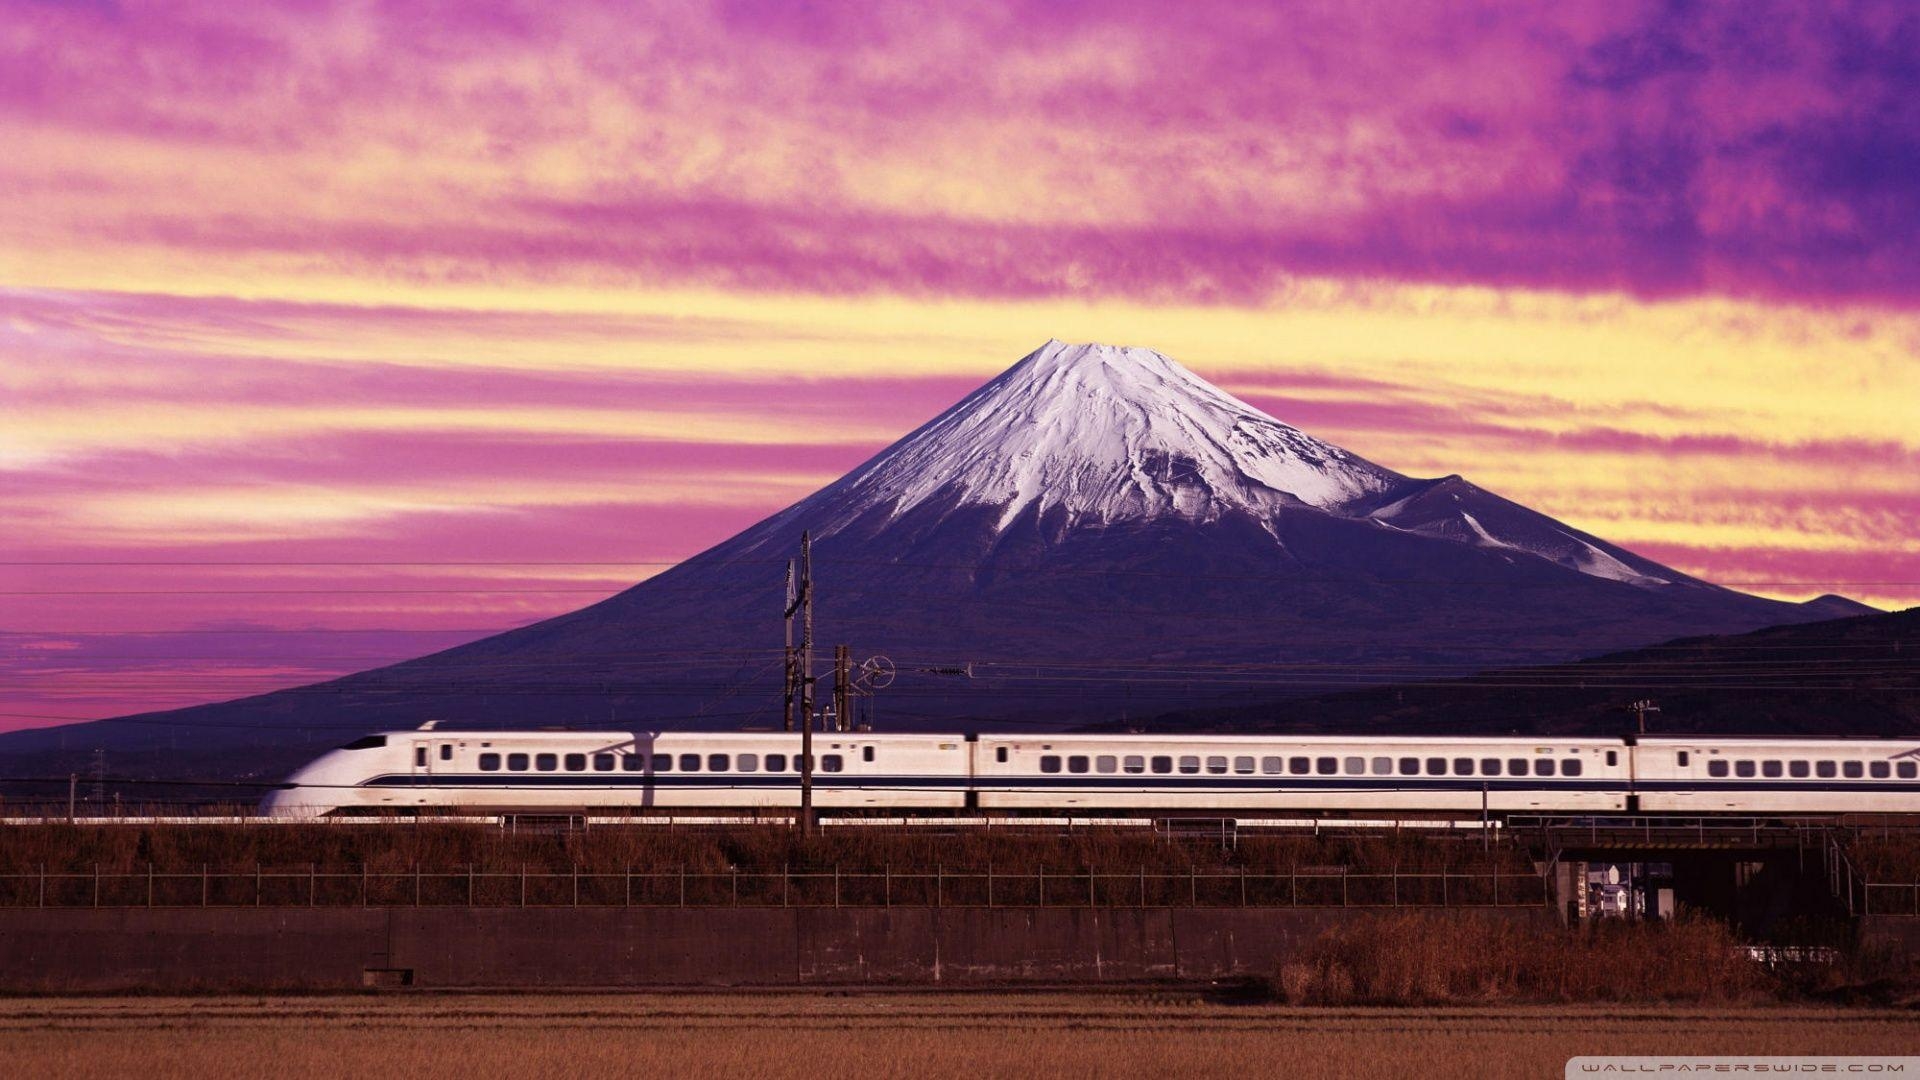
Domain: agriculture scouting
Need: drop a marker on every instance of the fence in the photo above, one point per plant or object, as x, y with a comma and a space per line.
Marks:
1881, 898
937, 886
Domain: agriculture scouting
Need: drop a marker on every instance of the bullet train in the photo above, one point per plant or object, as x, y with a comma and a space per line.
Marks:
551, 772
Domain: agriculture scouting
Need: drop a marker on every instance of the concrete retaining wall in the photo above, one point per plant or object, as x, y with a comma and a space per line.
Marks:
173, 949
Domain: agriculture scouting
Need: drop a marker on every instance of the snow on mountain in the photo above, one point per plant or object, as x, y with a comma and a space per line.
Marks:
1108, 434
1450, 508
1091, 435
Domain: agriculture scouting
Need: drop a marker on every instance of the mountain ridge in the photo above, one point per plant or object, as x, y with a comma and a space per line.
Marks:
1851, 676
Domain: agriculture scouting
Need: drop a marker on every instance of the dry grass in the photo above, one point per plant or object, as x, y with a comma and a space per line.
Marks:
1886, 856
611, 848
1425, 958
979, 1036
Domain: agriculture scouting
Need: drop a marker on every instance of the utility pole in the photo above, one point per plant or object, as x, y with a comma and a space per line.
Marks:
1640, 710
842, 680
792, 687
806, 684
73, 788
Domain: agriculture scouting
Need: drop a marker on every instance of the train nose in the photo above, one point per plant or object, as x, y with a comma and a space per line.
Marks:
304, 794
288, 800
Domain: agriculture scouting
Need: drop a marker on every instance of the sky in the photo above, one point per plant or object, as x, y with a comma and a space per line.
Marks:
333, 333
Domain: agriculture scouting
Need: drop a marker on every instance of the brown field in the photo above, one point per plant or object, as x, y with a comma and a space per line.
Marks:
978, 1035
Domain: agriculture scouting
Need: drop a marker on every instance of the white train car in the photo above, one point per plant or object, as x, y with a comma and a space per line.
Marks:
515, 770
504, 771
1211, 772
1722, 774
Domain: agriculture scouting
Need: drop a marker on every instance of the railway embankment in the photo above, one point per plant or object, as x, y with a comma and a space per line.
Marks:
1331, 916
202, 949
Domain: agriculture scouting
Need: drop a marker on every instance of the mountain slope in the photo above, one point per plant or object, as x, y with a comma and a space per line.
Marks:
1097, 531
1849, 676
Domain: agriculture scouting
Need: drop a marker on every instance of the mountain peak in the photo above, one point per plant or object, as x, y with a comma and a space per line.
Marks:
1096, 434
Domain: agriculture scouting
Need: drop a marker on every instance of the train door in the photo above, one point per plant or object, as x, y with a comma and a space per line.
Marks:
424, 755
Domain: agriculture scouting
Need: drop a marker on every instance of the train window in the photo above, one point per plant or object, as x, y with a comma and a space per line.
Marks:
663, 763
1383, 766
517, 762
747, 762
689, 762
1490, 766
1162, 763
776, 763
1299, 766
1907, 770
1217, 764
1825, 770
1716, 767
1000, 754
1613, 758
1516, 766
832, 763
1463, 766
576, 763
1326, 766
1135, 764
866, 753
1077, 763
719, 762
546, 762
1189, 763
632, 763
1743, 768
1273, 765
489, 762
1049, 763
446, 751
1879, 770
1770, 768
1357, 766
420, 756
1543, 766
1681, 758
1571, 767
1243, 765
1436, 766
1409, 766
1799, 770
603, 763
1852, 770
1106, 763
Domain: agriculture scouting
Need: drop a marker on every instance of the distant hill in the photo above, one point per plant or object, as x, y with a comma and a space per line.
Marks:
1853, 676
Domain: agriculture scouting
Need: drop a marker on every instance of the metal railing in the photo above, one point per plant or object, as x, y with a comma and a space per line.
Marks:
1658, 830
1889, 898
936, 886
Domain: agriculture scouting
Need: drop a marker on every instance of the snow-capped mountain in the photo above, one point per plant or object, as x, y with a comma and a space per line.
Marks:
1095, 533
1091, 436
1095, 434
